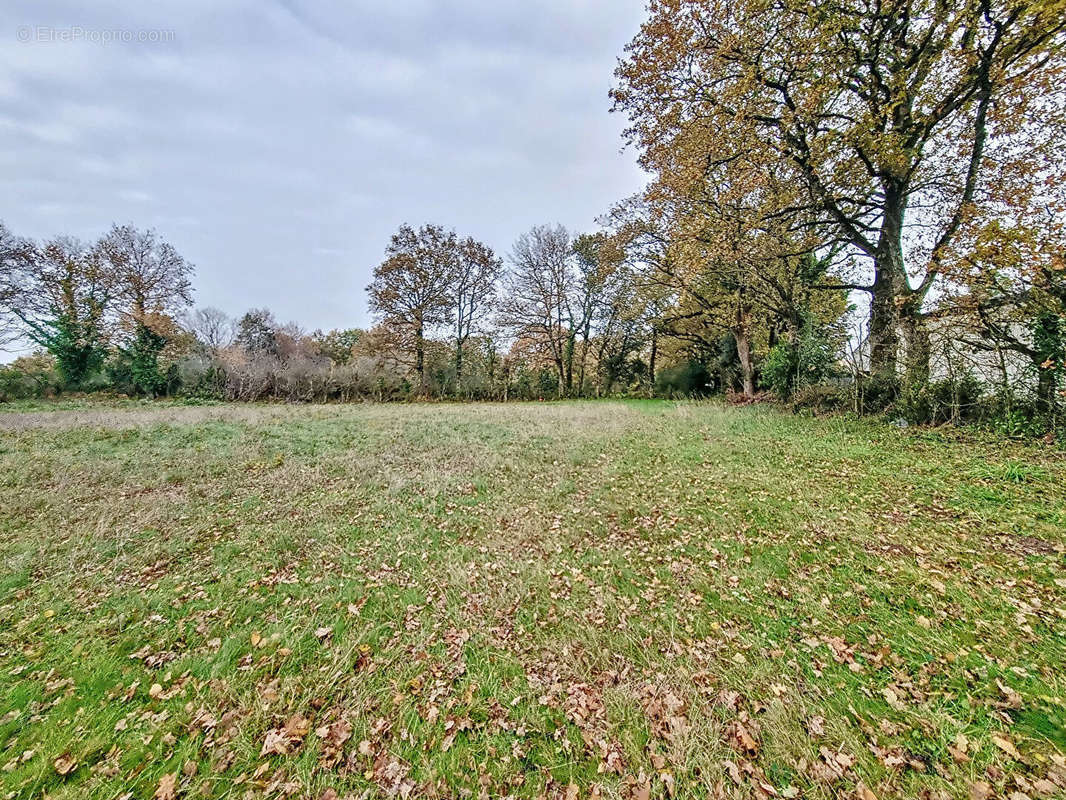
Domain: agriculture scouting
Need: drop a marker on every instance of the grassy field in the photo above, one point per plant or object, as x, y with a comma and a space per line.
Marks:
571, 600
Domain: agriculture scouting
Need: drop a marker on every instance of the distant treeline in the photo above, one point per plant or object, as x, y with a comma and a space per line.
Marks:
848, 208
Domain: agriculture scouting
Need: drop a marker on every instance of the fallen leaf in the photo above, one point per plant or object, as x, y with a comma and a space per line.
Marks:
297, 726
167, 789
1007, 746
741, 739
1045, 787
275, 743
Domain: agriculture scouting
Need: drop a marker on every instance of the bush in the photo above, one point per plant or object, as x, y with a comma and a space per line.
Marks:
821, 398
1019, 417
790, 366
201, 378
691, 378
1018, 423
29, 377
135, 369
779, 369
955, 399
877, 393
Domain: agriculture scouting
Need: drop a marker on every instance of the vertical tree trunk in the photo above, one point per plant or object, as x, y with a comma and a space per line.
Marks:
1045, 390
569, 361
458, 366
651, 357
888, 272
747, 368
584, 358
420, 357
916, 341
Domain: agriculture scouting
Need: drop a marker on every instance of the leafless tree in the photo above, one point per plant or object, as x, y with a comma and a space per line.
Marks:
15, 256
556, 294
211, 326
535, 296
473, 295
150, 275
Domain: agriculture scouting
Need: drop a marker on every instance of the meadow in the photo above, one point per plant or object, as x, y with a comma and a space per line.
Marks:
578, 599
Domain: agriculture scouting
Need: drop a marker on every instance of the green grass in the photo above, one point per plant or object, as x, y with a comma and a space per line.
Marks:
617, 598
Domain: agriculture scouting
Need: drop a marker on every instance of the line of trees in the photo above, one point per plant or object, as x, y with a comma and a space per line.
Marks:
110, 303
563, 317
916, 148
853, 205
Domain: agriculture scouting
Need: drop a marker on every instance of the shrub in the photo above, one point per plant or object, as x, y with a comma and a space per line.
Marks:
28, 377
1019, 416
821, 398
953, 399
779, 369
877, 393
201, 378
690, 378
808, 361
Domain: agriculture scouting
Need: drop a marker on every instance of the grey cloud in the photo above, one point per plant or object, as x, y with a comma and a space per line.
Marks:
279, 144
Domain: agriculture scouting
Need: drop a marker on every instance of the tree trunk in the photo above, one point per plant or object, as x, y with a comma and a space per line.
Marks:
740, 333
420, 357
916, 340
651, 357
458, 366
584, 353
1045, 390
570, 347
747, 370
888, 272
584, 358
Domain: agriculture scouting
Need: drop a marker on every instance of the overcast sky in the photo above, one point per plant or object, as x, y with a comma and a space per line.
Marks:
278, 143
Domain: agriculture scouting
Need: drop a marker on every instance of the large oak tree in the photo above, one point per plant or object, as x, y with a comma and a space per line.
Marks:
899, 118
153, 284
64, 298
411, 290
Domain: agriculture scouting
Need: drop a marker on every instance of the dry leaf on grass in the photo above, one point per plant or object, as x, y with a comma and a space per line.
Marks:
1007, 746
168, 787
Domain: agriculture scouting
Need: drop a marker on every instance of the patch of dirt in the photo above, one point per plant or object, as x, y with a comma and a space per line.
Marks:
1024, 545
